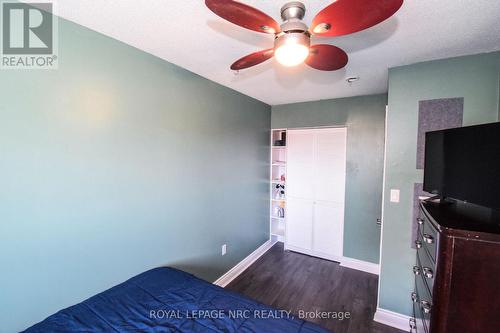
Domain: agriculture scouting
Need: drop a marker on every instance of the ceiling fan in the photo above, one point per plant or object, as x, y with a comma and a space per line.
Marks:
292, 43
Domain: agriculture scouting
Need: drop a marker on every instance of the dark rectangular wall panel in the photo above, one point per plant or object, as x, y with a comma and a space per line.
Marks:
435, 115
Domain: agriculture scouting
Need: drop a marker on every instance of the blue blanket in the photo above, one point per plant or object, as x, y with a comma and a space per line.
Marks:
169, 300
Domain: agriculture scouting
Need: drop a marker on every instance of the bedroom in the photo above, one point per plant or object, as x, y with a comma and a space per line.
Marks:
132, 145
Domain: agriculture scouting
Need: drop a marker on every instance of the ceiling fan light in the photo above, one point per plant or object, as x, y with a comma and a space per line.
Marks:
292, 49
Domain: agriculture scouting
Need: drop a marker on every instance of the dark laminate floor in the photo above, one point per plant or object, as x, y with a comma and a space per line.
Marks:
291, 281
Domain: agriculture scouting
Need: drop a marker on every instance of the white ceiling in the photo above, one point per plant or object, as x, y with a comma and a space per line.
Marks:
187, 34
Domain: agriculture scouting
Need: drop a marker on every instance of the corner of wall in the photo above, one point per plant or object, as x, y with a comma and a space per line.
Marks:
498, 106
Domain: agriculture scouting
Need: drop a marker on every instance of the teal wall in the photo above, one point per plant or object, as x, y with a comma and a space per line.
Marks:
473, 77
116, 163
364, 118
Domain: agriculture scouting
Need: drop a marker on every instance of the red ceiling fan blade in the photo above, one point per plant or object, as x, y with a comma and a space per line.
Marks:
252, 59
243, 15
326, 57
345, 17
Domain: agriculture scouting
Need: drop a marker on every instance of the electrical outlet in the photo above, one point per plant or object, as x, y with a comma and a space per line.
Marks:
394, 195
224, 249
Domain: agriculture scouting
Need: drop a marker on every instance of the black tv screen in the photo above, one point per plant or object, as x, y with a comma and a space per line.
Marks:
464, 164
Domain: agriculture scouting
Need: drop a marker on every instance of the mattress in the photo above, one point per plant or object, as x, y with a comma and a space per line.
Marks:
169, 300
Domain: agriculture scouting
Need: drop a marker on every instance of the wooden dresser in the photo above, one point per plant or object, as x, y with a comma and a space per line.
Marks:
457, 269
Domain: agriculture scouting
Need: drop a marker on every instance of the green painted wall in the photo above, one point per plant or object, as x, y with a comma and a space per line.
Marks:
116, 163
364, 117
473, 77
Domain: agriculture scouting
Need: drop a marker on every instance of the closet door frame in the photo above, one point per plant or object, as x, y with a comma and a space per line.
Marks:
312, 252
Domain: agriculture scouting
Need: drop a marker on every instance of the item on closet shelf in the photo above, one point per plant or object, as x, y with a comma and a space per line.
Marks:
279, 195
279, 143
277, 211
283, 177
281, 212
280, 191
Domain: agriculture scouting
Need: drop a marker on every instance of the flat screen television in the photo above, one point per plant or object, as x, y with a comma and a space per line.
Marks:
464, 164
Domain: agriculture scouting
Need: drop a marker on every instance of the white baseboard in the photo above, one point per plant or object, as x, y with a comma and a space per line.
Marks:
230, 275
312, 253
360, 265
393, 319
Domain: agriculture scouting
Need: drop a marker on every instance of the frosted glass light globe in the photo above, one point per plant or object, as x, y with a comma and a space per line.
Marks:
292, 48
291, 53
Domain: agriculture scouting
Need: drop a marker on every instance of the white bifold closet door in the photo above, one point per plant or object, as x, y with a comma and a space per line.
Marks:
316, 171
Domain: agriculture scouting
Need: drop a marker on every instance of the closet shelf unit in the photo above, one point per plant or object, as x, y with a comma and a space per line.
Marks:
278, 185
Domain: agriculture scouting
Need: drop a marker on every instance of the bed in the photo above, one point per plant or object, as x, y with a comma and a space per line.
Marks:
169, 300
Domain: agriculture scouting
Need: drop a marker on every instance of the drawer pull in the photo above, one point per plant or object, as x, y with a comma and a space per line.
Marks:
413, 323
428, 273
416, 270
426, 306
420, 221
428, 239
418, 244
414, 297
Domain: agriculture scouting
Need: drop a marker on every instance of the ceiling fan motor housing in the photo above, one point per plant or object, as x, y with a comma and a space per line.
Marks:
293, 10
293, 28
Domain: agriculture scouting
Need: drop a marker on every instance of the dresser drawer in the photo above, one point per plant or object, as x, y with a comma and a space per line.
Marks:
422, 304
420, 326
428, 236
427, 268
422, 296
421, 284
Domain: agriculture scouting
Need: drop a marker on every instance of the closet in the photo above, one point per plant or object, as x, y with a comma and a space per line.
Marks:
315, 191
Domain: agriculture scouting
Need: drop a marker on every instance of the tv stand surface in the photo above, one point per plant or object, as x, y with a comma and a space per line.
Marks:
461, 215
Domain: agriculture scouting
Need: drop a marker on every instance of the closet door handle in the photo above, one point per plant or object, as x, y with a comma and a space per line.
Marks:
416, 270
418, 244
